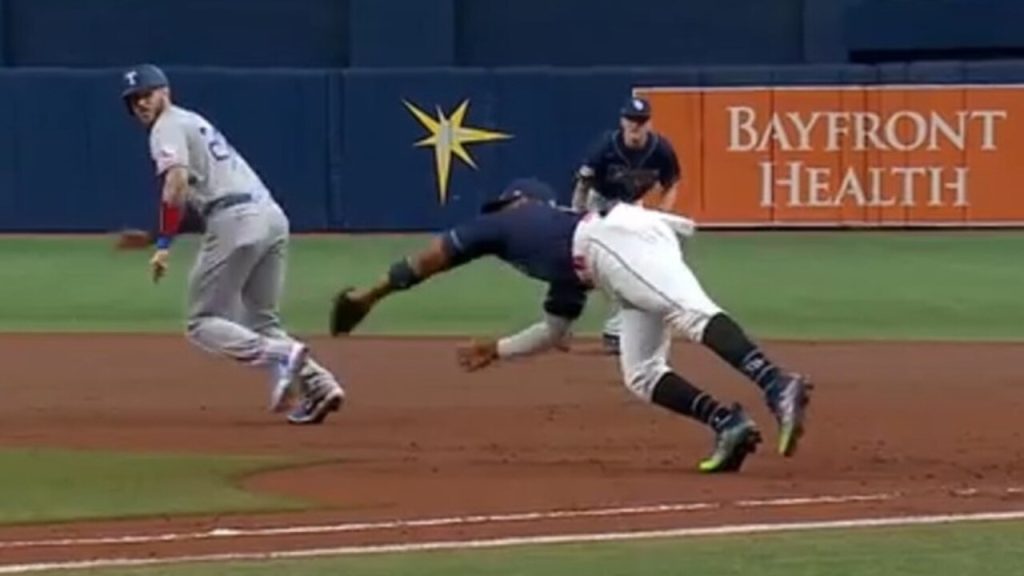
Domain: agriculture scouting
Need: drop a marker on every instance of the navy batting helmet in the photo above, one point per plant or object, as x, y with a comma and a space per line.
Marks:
521, 188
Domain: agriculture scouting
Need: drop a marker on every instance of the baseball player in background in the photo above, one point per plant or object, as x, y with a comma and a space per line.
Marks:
626, 165
235, 285
633, 255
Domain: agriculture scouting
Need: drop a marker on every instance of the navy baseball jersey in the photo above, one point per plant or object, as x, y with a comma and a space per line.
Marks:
621, 173
536, 239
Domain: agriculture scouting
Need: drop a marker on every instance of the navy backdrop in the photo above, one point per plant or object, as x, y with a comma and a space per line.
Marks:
405, 33
338, 147
317, 93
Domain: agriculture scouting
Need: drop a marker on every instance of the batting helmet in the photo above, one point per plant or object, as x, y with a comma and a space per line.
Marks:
521, 188
139, 79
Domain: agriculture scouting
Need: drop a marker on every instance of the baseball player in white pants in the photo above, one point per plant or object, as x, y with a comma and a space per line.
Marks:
634, 256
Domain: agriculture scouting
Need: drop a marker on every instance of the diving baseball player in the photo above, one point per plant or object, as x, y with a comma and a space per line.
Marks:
625, 165
236, 282
634, 255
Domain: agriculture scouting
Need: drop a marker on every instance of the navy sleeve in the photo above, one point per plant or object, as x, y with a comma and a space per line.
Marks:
565, 301
669, 173
481, 236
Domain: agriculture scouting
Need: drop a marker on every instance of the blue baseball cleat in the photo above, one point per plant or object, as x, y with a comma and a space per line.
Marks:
788, 398
737, 438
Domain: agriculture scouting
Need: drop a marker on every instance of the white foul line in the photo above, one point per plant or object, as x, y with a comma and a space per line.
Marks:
804, 501
732, 529
216, 533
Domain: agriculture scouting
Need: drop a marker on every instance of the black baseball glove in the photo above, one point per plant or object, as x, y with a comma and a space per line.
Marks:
347, 312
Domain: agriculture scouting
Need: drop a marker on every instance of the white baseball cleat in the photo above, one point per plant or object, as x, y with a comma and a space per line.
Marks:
286, 372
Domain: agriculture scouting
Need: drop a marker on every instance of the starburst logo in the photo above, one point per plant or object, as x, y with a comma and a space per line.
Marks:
449, 137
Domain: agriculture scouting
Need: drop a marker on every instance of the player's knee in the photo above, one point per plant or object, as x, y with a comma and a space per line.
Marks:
693, 321
641, 379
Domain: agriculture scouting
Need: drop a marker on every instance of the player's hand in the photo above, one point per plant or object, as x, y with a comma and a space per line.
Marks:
158, 264
477, 354
348, 310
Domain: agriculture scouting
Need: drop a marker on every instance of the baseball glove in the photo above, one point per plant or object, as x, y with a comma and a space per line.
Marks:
347, 312
133, 239
477, 354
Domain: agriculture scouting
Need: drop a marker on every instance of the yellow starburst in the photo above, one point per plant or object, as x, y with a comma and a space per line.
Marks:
448, 136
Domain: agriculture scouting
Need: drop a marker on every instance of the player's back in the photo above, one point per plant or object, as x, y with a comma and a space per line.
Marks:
216, 169
537, 239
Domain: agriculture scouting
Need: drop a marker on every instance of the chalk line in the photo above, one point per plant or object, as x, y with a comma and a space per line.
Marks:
724, 530
227, 532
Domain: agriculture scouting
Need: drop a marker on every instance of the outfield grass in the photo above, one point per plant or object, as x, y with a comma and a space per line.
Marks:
808, 285
975, 550
57, 485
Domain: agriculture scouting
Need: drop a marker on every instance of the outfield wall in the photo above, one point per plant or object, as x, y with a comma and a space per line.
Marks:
501, 33
339, 147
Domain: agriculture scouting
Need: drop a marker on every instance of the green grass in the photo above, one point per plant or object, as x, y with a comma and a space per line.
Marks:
58, 485
855, 285
809, 285
975, 550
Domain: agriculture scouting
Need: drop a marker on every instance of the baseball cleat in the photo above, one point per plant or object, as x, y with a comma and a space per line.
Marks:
737, 438
610, 342
286, 372
788, 398
317, 405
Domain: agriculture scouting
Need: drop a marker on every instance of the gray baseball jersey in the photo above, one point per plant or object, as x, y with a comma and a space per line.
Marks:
180, 137
235, 284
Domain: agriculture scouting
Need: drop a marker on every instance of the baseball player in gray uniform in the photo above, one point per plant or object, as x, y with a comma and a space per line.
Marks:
235, 285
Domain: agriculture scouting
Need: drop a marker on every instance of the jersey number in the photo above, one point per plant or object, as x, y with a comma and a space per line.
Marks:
215, 142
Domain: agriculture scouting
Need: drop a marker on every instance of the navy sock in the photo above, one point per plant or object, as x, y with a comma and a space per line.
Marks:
727, 340
676, 394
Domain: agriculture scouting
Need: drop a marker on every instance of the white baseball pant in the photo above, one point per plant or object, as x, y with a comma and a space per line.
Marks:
613, 324
634, 256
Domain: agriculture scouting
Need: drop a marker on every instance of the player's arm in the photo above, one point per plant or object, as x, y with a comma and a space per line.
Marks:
682, 226
586, 176
562, 307
175, 189
169, 150
584, 182
454, 248
407, 272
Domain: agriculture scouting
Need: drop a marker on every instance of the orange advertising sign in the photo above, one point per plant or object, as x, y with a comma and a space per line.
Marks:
846, 155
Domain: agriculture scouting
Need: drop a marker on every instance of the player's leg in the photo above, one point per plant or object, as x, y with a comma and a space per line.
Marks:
221, 269
612, 328
611, 332
645, 370
691, 312
319, 389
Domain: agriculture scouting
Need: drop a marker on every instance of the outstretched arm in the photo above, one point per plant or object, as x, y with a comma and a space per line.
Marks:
453, 248
539, 337
352, 305
681, 225
406, 273
562, 306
